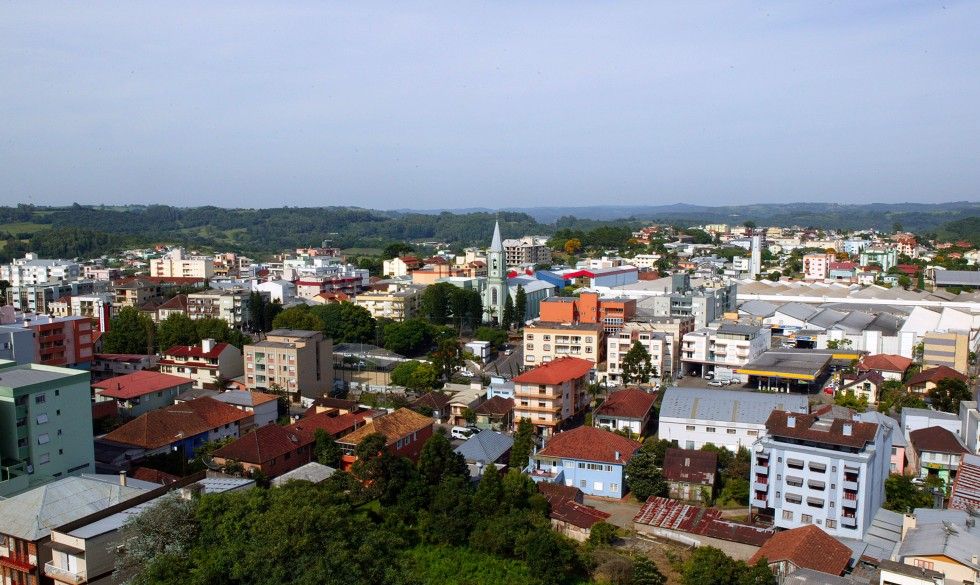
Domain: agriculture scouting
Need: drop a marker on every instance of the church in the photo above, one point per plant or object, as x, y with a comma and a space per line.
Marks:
498, 284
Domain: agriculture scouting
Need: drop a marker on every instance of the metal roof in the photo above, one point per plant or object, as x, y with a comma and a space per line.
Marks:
486, 446
728, 405
957, 278
313, 472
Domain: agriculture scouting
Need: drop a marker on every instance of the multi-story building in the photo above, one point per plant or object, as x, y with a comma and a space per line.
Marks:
817, 266
907, 244
45, 428
299, 362
527, 250
546, 341
42, 298
590, 459
660, 346
723, 350
695, 417
625, 410
178, 264
831, 472
210, 365
884, 257
401, 266
97, 307
26, 553
396, 303
230, 305
33, 270
950, 349
141, 391
552, 393
935, 452
52, 341
704, 305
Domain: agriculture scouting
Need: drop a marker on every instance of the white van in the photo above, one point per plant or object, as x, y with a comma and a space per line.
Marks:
461, 433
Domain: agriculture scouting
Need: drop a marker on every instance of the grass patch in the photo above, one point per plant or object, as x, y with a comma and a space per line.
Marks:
23, 227
362, 251
438, 565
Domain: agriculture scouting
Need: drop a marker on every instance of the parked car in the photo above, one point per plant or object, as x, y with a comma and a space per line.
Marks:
717, 383
461, 433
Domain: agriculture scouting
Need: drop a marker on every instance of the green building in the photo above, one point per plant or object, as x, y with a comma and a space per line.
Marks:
45, 425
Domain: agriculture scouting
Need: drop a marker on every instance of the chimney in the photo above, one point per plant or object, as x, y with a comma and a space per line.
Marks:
192, 491
207, 345
617, 455
791, 422
847, 429
122, 478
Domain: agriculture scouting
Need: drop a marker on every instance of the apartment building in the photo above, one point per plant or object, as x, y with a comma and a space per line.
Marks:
723, 350
97, 307
230, 305
694, 417
808, 469
546, 341
884, 257
141, 391
33, 270
395, 303
179, 264
45, 427
817, 266
950, 349
589, 307
527, 250
704, 305
210, 365
300, 362
660, 346
551, 393
401, 266
43, 297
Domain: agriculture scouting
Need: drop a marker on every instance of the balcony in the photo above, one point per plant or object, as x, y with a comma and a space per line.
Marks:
759, 502
849, 521
64, 575
761, 469
849, 501
760, 486
12, 468
850, 485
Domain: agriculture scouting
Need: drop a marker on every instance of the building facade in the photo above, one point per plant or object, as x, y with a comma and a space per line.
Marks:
299, 362
178, 264
550, 394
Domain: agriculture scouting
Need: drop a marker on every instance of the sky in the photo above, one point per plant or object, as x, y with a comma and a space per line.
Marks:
488, 104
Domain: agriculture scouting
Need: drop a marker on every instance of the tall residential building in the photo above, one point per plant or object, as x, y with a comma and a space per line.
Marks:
660, 346
950, 349
178, 264
211, 365
725, 349
527, 250
299, 362
33, 270
41, 298
230, 305
831, 472
817, 266
51, 341
396, 303
45, 427
545, 342
552, 393
884, 257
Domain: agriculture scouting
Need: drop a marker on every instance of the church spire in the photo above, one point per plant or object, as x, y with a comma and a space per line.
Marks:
496, 245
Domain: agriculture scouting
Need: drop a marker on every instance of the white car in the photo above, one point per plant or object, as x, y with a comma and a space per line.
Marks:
461, 433
717, 383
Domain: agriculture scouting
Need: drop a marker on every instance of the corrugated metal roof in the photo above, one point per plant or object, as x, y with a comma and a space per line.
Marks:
728, 405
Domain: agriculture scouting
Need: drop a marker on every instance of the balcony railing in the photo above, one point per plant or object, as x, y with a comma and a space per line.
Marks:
850, 521
64, 575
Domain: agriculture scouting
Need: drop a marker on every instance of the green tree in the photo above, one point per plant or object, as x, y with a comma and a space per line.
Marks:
520, 307
849, 400
439, 461
436, 303
602, 533
130, 331
415, 375
489, 493
659, 449
495, 336
396, 249
645, 572
775, 275
220, 331
326, 451
298, 317
167, 529
177, 329
523, 443
637, 366
509, 314
644, 477
948, 393
410, 337
345, 322
448, 357
901, 495
709, 566
839, 344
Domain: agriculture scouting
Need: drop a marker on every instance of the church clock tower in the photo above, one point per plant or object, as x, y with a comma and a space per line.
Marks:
496, 277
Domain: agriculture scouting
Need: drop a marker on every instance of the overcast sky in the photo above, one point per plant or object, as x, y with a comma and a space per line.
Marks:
459, 104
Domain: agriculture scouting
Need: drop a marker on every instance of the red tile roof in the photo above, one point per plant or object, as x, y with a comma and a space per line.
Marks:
122, 357
196, 351
966, 487
556, 372
806, 547
165, 426
809, 427
139, 384
884, 362
935, 375
152, 475
178, 302
691, 466
629, 403
262, 445
334, 425
936, 440
394, 426
496, 406
591, 444
576, 514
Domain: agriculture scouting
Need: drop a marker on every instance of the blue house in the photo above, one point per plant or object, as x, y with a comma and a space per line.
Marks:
587, 458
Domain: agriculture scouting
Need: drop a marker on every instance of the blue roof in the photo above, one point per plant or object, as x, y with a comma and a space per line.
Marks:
486, 446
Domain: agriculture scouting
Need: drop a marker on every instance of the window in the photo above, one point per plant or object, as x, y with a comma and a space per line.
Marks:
710, 429
547, 347
806, 519
57, 392
924, 564
547, 338
731, 431
43, 458
831, 523
40, 399
752, 433
530, 336
690, 427
787, 515
597, 486
584, 484
530, 347
43, 439
614, 487
42, 418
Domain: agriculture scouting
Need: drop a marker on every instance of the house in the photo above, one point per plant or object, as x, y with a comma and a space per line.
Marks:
141, 392
946, 541
628, 410
806, 547
334, 406
965, 493
180, 427
271, 450
690, 474
569, 515
173, 306
694, 417
405, 432
107, 365
264, 408
895, 572
891, 367
209, 365
45, 425
434, 402
926, 380
402, 266
29, 517
485, 448
867, 385
300, 362
496, 413
935, 452
463, 402
812, 469
550, 394
588, 458
914, 419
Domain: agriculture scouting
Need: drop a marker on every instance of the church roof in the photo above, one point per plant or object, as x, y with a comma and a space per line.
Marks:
496, 245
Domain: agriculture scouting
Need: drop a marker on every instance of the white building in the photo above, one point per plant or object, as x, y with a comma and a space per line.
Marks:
281, 291
659, 345
31, 270
695, 417
723, 350
177, 264
820, 470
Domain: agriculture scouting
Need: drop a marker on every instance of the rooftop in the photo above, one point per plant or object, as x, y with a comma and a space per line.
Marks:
590, 444
690, 465
806, 547
936, 440
393, 426
24, 375
556, 372
885, 362
183, 420
139, 384
486, 446
728, 405
829, 431
629, 403
798, 365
